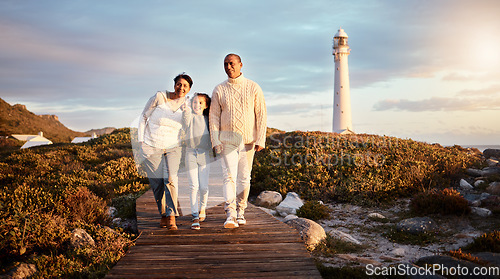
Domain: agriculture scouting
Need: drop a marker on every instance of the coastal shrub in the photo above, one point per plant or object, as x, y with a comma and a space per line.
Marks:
459, 254
488, 242
403, 237
330, 246
363, 169
48, 191
446, 201
313, 210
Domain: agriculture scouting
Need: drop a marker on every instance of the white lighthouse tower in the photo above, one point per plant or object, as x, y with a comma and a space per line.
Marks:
342, 122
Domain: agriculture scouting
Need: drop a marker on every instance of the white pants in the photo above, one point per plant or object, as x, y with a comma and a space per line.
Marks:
197, 163
236, 169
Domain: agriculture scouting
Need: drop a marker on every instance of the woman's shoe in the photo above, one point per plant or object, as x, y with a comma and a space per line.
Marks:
171, 223
196, 224
164, 222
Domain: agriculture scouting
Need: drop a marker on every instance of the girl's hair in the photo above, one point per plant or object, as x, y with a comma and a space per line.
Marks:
185, 77
207, 101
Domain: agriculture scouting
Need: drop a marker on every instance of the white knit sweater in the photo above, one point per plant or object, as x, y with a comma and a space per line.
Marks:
238, 112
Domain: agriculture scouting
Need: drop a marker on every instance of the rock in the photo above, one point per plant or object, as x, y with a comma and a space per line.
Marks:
492, 162
450, 264
488, 171
22, 271
417, 225
310, 232
491, 153
80, 239
112, 212
491, 201
478, 182
492, 258
290, 217
399, 252
268, 199
343, 236
362, 260
465, 185
494, 188
474, 172
290, 205
483, 212
376, 216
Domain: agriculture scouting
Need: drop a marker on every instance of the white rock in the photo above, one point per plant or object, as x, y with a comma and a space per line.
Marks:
268, 199
80, 238
375, 215
343, 236
483, 212
465, 185
478, 182
290, 217
399, 252
112, 212
290, 204
310, 232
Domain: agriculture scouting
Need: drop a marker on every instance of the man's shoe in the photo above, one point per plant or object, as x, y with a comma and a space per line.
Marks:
230, 223
241, 220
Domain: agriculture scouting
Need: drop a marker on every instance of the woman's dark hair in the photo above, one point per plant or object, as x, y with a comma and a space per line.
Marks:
207, 101
185, 77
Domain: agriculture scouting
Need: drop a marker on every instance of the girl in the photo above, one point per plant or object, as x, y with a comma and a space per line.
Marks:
198, 154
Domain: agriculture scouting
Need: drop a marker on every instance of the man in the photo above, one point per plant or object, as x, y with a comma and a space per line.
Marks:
238, 123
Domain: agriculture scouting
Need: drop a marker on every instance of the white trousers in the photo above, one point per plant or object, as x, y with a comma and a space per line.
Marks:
197, 163
236, 169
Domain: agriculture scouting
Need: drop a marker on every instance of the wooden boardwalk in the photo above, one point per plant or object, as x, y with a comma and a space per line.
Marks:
264, 248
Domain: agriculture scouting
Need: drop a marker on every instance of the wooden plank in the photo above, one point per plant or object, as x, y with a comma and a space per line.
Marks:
264, 248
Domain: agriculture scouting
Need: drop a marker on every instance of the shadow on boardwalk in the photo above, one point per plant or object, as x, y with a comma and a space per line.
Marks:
264, 248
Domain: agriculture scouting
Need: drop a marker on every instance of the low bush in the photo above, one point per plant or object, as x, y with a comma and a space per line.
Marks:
313, 210
488, 242
48, 191
362, 169
330, 246
446, 202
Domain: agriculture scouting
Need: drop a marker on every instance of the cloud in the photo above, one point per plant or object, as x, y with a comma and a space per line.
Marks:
438, 104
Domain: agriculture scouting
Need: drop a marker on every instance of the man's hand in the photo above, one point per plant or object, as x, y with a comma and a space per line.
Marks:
258, 148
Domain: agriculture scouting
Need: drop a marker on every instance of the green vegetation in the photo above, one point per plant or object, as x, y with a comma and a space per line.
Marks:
445, 201
403, 237
362, 169
330, 246
488, 242
46, 192
313, 210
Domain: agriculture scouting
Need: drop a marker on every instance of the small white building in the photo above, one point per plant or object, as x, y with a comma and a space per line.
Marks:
32, 140
83, 139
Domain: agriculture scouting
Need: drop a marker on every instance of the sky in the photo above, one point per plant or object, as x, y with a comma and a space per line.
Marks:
425, 70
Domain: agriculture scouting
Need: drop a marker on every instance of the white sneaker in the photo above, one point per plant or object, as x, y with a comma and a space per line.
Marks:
241, 220
230, 223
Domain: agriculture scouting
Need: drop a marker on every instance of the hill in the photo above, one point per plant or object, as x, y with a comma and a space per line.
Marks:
17, 119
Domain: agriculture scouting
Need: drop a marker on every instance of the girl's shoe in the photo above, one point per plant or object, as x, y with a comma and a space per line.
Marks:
196, 224
203, 215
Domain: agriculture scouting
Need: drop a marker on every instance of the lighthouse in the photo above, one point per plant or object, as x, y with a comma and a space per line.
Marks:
342, 122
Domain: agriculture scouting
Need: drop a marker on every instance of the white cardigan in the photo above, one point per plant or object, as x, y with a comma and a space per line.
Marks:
159, 125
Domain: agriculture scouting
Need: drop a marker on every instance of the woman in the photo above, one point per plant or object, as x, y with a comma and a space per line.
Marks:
159, 134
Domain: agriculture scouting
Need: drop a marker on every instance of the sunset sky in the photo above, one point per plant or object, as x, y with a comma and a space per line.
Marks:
426, 70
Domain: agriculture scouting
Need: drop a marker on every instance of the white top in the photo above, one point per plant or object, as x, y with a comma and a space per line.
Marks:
159, 125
